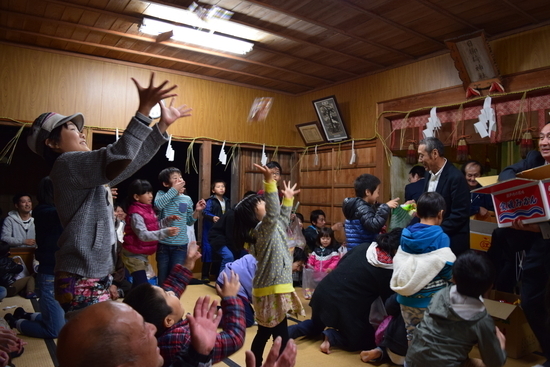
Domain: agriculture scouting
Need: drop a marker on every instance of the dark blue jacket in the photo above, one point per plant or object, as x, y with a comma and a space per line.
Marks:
480, 200
414, 190
363, 221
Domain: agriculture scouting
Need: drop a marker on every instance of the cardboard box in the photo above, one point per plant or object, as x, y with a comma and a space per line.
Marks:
480, 234
511, 321
524, 198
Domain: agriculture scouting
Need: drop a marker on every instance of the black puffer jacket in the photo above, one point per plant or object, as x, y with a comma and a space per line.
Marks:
363, 221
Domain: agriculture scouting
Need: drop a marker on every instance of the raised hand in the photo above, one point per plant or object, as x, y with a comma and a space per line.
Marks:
288, 191
268, 175
168, 115
204, 324
393, 203
151, 95
230, 286
193, 255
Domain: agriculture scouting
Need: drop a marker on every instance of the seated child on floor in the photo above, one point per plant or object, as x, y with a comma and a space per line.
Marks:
162, 308
322, 260
142, 230
423, 263
456, 320
365, 218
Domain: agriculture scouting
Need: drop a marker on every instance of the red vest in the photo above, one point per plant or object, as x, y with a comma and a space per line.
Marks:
131, 241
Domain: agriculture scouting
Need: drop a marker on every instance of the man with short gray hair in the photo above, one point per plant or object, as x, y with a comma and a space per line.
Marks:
444, 178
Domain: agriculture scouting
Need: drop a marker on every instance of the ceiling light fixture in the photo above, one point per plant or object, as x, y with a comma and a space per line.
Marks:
197, 37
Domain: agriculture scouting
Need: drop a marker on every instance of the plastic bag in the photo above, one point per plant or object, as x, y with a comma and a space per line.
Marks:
400, 218
377, 313
310, 280
295, 237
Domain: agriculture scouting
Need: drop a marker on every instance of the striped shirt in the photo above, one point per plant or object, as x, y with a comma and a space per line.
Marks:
172, 203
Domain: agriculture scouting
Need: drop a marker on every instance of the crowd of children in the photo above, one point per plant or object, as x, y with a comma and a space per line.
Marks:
433, 300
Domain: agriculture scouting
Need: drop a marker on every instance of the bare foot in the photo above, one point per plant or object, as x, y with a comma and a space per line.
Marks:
371, 355
325, 346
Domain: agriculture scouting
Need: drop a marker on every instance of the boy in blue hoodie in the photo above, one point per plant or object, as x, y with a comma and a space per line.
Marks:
423, 263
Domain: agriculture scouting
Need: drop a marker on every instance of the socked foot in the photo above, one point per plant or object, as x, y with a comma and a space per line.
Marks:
325, 346
371, 355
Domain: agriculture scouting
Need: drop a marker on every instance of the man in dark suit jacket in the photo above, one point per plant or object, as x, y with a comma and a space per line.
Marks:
447, 180
416, 186
534, 238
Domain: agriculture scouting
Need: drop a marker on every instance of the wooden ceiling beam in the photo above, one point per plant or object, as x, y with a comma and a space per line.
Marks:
244, 20
329, 27
372, 14
448, 14
129, 18
152, 55
517, 9
165, 43
137, 20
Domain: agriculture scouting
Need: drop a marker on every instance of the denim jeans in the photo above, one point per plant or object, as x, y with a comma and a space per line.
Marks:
3, 293
48, 322
227, 257
167, 257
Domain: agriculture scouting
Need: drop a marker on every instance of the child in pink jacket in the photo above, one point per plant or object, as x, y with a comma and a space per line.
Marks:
322, 260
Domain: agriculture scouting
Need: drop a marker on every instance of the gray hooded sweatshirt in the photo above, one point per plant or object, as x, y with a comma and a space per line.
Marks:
14, 232
452, 325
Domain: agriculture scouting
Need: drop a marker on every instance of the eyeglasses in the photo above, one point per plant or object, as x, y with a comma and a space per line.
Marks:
276, 173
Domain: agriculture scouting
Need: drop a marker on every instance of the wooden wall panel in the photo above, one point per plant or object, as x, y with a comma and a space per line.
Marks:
35, 81
327, 185
358, 98
251, 178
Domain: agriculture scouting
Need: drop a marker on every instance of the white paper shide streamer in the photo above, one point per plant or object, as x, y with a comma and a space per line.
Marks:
170, 153
264, 156
433, 124
487, 122
353, 155
223, 156
116, 137
316, 158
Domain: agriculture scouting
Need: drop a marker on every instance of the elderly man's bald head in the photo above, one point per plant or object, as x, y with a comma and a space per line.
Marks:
108, 334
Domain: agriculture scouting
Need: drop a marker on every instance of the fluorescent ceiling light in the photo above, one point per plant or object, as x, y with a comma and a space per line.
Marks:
196, 37
183, 16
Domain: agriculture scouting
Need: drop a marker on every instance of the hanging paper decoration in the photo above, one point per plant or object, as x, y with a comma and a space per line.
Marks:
316, 158
170, 153
223, 156
412, 154
496, 87
116, 134
264, 156
352, 160
433, 124
486, 116
471, 92
462, 150
526, 144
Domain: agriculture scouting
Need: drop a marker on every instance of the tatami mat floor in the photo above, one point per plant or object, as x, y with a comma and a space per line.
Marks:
37, 354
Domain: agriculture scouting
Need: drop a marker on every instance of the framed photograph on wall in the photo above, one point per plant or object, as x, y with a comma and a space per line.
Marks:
311, 133
330, 118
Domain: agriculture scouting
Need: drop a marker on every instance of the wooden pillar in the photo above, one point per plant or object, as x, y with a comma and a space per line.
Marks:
205, 173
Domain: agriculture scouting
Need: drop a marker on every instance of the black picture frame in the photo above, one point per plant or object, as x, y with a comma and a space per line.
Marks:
311, 133
330, 118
